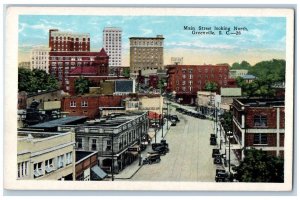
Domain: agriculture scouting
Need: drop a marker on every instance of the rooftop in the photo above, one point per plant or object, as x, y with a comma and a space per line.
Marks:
36, 135
58, 122
257, 102
84, 154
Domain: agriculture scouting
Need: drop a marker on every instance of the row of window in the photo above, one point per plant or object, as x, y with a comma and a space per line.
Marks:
83, 104
46, 167
72, 58
69, 38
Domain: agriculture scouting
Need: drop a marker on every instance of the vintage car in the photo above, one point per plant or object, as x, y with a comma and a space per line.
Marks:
152, 157
221, 176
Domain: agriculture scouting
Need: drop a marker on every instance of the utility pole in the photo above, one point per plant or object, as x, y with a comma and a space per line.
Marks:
112, 157
155, 128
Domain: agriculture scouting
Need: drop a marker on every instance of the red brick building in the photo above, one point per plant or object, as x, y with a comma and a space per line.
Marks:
88, 105
62, 63
187, 80
68, 41
259, 123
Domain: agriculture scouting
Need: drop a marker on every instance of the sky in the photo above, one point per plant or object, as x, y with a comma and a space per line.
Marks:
262, 38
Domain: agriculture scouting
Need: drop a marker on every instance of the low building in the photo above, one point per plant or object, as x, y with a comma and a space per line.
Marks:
259, 124
111, 137
234, 73
151, 102
87, 168
227, 96
46, 156
205, 102
48, 100
249, 78
53, 124
88, 105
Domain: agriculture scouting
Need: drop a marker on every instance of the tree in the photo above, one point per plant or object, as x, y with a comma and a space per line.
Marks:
258, 166
126, 72
242, 65
211, 86
32, 81
82, 85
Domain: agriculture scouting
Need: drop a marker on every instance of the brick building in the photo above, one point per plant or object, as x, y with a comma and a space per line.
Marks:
88, 105
62, 63
68, 41
259, 123
146, 53
187, 80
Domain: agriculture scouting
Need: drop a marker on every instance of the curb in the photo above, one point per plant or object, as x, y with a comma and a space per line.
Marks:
132, 174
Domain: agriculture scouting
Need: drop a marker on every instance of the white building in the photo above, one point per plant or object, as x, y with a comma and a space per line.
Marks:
39, 58
112, 43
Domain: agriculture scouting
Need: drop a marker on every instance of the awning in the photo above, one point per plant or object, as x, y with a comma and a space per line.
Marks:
97, 173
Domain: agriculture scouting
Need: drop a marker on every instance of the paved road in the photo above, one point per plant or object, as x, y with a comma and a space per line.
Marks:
189, 158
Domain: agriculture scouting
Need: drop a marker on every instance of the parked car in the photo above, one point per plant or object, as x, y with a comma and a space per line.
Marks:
173, 123
162, 150
152, 158
221, 176
175, 117
218, 159
163, 142
213, 139
215, 152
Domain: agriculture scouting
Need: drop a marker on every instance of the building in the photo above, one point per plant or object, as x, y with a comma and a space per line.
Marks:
48, 100
39, 58
227, 96
22, 99
68, 41
206, 102
145, 102
80, 62
234, 73
176, 60
88, 105
87, 168
146, 53
25, 65
46, 156
249, 78
112, 43
187, 80
259, 124
112, 137
52, 126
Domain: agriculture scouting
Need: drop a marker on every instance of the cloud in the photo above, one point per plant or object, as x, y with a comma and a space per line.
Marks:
146, 31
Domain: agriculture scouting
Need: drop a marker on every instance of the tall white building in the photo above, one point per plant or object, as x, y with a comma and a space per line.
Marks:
112, 43
39, 58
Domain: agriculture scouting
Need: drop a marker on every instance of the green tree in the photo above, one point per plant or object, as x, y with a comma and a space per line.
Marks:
32, 81
82, 85
258, 166
126, 72
226, 120
211, 86
242, 65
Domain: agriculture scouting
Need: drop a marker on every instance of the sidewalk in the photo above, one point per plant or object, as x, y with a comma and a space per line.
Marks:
134, 167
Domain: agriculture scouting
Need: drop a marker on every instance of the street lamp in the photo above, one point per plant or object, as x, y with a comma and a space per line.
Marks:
155, 128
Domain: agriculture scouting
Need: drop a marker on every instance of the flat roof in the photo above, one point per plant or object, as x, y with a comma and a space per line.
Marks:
83, 154
58, 122
259, 102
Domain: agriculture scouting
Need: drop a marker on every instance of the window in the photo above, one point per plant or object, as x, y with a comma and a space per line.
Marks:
79, 143
94, 144
37, 169
191, 76
260, 138
60, 161
108, 145
72, 103
69, 158
49, 167
84, 104
183, 82
260, 121
23, 169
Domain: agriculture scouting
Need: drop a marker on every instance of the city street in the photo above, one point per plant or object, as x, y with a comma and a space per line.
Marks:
189, 158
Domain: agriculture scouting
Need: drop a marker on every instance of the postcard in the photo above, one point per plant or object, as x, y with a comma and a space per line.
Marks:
140, 98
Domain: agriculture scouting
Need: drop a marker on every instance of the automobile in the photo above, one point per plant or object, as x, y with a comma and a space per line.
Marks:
215, 152
221, 176
152, 158
213, 139
163, 142
173, 123
218, 159
162, 150
175, 117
